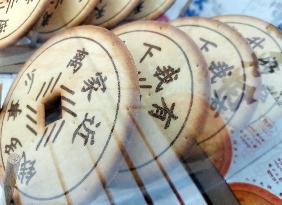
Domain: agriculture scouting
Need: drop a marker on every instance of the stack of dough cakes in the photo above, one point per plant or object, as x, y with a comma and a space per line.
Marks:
26, 25
144, 91
42, 19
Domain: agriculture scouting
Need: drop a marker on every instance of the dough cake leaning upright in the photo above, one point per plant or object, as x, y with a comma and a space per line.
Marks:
256, 171
234, 78
60, 15
17, 17
66, 114
174, 88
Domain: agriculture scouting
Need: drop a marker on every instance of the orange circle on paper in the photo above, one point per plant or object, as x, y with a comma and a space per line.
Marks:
249, 194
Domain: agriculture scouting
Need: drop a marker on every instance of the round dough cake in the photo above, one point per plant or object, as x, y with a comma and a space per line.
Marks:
65, 114
233, 77
233, 72
109, 13
248, 194
17, 17
174, 88
63, 14
150, 9
266, 41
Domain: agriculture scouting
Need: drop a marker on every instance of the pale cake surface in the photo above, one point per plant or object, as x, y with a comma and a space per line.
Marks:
266, 42
174, 92
69, 112
233, 73
17, 17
